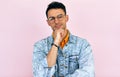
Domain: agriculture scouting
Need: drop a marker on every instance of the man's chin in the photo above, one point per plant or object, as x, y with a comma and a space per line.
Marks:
59, 28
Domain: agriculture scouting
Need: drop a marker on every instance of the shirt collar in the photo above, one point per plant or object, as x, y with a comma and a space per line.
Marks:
65, 40
72, 38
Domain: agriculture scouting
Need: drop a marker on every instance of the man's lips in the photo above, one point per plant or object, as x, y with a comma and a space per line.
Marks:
58, 26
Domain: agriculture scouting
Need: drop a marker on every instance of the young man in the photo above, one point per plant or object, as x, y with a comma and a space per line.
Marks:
61, 54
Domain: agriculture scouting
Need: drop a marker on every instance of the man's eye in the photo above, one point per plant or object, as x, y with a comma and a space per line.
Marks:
60, 16
51, 18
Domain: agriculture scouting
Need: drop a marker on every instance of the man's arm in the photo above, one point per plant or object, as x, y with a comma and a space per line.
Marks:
86, 62
44, 65
52, 55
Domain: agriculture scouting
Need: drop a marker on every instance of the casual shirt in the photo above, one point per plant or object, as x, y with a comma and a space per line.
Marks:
65, 40
75, 59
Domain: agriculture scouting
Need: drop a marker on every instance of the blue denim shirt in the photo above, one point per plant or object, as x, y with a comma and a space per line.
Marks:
74, 60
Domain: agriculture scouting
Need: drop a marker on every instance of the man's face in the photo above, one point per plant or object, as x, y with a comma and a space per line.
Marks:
57, 19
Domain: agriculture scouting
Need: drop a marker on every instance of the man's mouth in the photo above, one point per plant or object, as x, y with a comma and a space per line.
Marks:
58, 26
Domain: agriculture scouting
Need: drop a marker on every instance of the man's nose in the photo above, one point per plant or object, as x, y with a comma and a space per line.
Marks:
56, 20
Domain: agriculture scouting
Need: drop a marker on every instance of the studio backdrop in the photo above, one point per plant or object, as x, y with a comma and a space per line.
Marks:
23, 22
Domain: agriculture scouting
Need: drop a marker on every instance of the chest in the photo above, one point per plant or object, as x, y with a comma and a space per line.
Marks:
67, 60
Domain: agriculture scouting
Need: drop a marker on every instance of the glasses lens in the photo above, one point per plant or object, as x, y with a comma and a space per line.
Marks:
51, 18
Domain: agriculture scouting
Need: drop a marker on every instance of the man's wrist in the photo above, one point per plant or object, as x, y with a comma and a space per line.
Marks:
55, 45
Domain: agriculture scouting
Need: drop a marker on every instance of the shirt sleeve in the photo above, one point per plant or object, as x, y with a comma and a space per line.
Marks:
39, 63
86, 62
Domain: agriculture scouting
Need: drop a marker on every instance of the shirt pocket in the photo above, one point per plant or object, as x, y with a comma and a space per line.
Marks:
73, 63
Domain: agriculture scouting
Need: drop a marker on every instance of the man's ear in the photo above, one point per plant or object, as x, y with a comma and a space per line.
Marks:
67, 18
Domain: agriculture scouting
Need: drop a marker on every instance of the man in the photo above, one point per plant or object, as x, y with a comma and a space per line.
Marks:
61, 54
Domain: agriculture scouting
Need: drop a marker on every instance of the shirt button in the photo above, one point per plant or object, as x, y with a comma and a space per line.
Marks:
62, 65
65, 66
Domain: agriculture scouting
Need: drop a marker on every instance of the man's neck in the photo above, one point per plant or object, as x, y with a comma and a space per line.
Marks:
66, 32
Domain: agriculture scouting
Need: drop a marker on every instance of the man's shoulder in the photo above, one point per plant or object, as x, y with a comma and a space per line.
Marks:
78, 39
43, 41
75, 37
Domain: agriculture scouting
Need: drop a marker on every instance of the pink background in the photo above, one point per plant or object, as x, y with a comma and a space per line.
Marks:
23, 22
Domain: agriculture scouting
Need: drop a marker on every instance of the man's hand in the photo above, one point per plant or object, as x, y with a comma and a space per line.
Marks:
58, 36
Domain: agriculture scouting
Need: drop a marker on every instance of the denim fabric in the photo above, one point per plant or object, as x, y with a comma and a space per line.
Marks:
74, 60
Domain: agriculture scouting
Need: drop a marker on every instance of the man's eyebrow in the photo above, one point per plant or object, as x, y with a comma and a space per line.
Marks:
54, 16
60, 14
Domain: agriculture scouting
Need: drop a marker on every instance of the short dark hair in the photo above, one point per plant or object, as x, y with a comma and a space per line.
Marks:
55, 5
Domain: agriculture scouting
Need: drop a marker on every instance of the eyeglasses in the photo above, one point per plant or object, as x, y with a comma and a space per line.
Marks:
59, 17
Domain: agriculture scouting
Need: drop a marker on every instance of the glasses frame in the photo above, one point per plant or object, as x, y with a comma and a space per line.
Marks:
58, 17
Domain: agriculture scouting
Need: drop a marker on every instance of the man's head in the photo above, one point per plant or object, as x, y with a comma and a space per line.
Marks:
56, 15
55, 5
